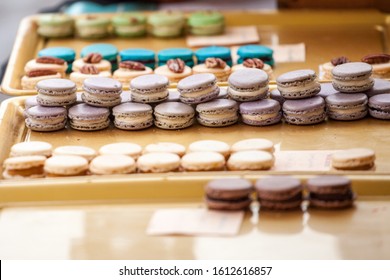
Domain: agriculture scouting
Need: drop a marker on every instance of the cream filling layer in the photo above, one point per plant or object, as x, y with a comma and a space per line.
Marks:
172, 121
47, 121
308, 114
100, 97
311, 85
134, 120
262, 117
218, 116
199, 93
55, 30
258, 92
92, 30
353, 82
348, 111
88, 122
156, 95
130, 28
58, 98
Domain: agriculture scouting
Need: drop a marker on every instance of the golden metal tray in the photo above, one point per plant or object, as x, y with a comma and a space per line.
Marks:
326, 34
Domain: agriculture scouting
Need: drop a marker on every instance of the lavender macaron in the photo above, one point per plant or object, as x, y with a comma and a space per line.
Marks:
217, 113
352, 77
173, 115
40, 118
56, 92
102, 92
381, 86
248, 84
261, 112
150, 88
298, 84
133, 116
88, 118
304, 111
379, 106
347, 107
198, 88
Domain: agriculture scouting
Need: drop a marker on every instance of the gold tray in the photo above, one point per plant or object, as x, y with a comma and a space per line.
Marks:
178, 186
326, 34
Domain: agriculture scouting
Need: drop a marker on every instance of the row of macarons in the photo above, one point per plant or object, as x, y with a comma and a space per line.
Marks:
36, 159
280, 193
159, 24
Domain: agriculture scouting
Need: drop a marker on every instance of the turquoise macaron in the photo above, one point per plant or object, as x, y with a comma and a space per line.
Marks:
256, 51
184, 54
145, 56
223, 53
108, 51
67, 54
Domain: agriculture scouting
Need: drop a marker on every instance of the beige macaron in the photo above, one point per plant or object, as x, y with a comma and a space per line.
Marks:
24, 167
102, 65
59, 166
158, 162
354, 159
82, 151
222, 74
122, 148
78, 78
165, 147
32, 148
250, 160
253, 144
173, 77
112, 164
203, 161
210, 146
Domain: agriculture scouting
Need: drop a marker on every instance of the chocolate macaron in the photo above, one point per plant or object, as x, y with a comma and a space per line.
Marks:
304, 111
228, 194
88, 118
56, 92
173, 115
198, 88
39, 118
298, 84
102, 92
133, 116
248, 84
379, 106
217, 113
352, 77
261, 113
279, 193
347, 107
330, 192
151, 88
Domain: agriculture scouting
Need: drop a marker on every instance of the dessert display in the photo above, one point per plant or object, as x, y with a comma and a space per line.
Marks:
24, 167
32, 148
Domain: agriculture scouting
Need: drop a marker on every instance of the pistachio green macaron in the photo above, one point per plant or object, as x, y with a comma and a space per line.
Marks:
129, 24
55, 25
92, 27
206, 23
166, 24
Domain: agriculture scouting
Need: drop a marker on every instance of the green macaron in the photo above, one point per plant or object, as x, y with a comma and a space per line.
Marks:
129, 24
92, 27
206, 23
166, 24
55, 25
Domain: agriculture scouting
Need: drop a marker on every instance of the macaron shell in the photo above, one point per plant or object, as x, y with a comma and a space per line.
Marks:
223, 205
259, 144
165, 147
121, 148
379, 106
203, 161
210, 146
329, 184
232, 188
250, 160
66, 165
112, 164
354, 159
158, 162
24, 162
72, 150
31, 148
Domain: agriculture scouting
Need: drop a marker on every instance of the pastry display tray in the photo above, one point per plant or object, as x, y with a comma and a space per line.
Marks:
181, 186
326, 34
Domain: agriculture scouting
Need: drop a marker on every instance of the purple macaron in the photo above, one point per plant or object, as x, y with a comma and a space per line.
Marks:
248, 84
304, 111
298, 84
40, 118
88, 118
150, 88
261, 113
326, 90
198, 88
379, 106
381, 86
217, 113
133, 116
102, 92
347, 107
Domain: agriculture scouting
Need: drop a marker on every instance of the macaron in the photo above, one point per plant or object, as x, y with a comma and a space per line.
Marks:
174, 70
94, 59
24, 167
203, 161
129, 70
298, 84
67, 54
92, 27
166, 24
248, 85
102, 92
56, 92
256, 51
64, 166
109, 52
151, 88
112, 164
173, 96
223, 93
223, 53
327, 67
73, 150
133, 116
380, 63
30, 101
261, 113
257, 64
210, 146
346, 107
121, 148
326, 90
43, 119
30, 79
88, 118
279, 193
144, 56
250, 160
228, 194
304, 111
381, 86
185, 54
353, 159
198, 88
158, 162
40, 66
215, 66
275, 95
205, 23
217, 113
253, 144
165, 147
352, 77
87, 71
379, 106
55, 25
173, 115
129, 24
31, 148
330, 192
